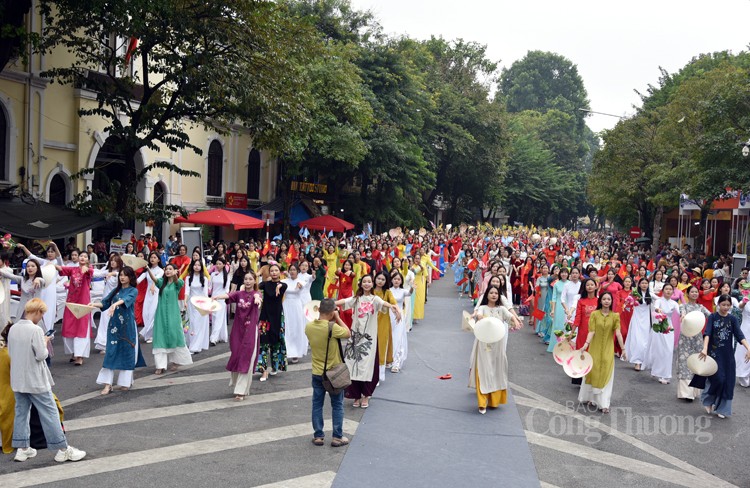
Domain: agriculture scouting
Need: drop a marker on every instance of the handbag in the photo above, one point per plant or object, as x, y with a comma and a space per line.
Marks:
336, 379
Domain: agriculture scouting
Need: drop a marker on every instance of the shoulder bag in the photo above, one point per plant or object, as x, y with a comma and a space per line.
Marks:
336, 379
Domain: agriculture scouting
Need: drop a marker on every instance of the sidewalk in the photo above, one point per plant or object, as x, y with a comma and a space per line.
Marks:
424, 432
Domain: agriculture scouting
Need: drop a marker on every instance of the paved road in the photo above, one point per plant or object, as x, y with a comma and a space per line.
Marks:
184, 430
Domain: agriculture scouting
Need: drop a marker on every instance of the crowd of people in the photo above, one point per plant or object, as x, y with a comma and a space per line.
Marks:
614, 299
599, 291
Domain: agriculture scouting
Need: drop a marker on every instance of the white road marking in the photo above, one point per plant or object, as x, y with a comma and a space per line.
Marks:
615, 460
162, 412
67, 471
542, 402
544, 484
319, 480
173, 378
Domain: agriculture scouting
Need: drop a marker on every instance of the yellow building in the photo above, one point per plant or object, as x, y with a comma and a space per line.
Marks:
43, 141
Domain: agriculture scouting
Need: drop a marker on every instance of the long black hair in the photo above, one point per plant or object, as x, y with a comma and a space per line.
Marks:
387, 283
499, 302
192, 272
599, 303
223, 268
127, 271
647, 298
165, 281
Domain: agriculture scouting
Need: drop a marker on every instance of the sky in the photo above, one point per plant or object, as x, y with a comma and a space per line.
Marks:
617, 46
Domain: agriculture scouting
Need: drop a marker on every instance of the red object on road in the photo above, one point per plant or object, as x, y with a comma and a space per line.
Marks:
446, 377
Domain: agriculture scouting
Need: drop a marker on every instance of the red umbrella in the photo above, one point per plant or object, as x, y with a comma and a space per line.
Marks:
222, 218
327, 222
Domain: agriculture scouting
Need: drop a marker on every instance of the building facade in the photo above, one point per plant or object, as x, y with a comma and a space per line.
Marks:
44, 142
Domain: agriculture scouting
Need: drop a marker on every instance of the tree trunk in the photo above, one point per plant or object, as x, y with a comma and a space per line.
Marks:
657, 229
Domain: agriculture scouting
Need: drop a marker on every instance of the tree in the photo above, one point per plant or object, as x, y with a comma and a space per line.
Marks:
13, 35
464, 137
545, 81
210, 64
548, 85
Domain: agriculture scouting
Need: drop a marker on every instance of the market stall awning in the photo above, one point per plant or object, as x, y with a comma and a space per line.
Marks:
327, 222
40, 220
222, 218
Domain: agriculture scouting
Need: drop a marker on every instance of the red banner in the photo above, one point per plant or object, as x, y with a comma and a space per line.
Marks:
235, 200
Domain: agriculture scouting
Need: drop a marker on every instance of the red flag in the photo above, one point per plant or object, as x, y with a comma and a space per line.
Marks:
292, 255
486, 257
266, 248
464, 280
651, 266
132, 46
473, 264
622, 273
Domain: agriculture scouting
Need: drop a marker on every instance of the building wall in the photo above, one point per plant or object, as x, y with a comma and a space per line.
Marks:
46, 137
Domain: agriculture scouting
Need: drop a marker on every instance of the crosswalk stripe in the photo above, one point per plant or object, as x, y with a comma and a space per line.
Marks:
184, 409
67, 471
544, 403
319, 480
615, 460
161, 381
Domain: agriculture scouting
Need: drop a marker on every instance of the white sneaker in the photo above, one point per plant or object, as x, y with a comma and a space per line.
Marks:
69, 454
24, 454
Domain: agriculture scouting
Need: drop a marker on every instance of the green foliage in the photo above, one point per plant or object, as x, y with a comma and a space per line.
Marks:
685, 139
552, 148
208, 64
13, 35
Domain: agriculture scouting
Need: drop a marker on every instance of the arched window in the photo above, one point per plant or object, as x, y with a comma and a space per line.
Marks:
215, 163
253, 175
58, 190
4, 142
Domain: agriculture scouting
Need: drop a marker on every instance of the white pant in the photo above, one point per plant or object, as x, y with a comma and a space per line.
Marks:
77, 346
162, 357
241, 383
107, 376
601, 397
684, 390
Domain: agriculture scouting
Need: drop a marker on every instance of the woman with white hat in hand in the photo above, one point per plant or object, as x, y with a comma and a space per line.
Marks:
721, 331
604, 326
489, 363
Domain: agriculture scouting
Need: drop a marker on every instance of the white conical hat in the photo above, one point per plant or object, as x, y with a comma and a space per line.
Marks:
707, 367
133, 261
490, 329
49, 274
579, 365
693, 323
204, 305
312, 310
79, 311
562, 352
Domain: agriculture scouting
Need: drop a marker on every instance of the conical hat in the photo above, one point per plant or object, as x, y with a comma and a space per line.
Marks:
422, 231
395, 232
490, 329
579, 364
701, 367
562, 352
692, 324
204, 305
79, 311
311, 310
49, 273
536, 237
134, 262
467, 323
